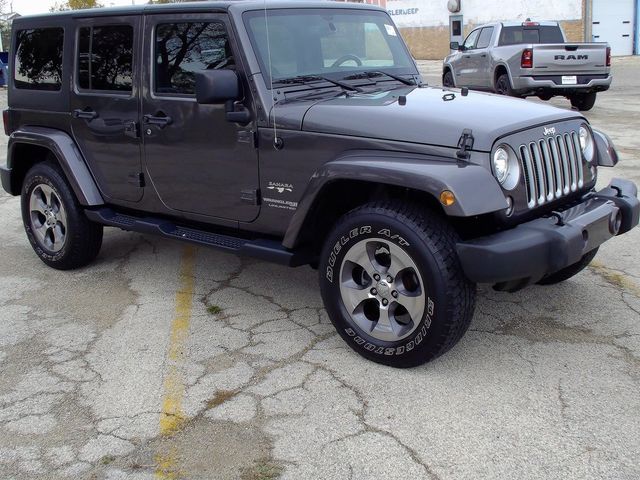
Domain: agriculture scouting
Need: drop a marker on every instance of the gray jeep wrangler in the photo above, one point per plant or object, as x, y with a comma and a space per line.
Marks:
301, 133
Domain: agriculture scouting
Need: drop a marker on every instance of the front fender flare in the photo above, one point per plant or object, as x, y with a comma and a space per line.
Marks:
68, 156
476, 190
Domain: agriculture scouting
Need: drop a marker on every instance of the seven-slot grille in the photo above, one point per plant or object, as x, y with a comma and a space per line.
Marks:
552, 168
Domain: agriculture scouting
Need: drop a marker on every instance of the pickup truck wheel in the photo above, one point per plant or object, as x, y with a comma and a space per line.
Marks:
570, 271
393, 286
447, 80
583, 101
56, 226
503, 86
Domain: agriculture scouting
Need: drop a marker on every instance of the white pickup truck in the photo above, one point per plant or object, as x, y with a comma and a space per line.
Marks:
529, 58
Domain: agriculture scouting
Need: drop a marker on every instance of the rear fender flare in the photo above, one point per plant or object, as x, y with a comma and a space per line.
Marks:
69, 158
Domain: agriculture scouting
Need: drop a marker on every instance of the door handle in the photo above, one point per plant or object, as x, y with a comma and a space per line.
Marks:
86, 114
159, 120
484, 55
467, 56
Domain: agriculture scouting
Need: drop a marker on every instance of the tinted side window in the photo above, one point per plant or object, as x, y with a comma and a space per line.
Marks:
38, 63
485, 37
105, 58
181, 49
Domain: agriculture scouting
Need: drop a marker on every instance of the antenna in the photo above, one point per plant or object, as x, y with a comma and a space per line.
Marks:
277, 142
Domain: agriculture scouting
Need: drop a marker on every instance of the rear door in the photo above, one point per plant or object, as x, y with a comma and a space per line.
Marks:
198, 162
104, 103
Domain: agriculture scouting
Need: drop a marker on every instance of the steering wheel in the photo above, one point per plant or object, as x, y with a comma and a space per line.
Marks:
346, 58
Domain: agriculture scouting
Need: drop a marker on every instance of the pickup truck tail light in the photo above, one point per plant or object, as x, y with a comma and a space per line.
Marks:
527, 58
5, 120
608, 56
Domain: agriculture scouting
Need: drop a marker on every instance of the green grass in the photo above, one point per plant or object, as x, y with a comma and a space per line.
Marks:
214, 309
263, 470
107, 459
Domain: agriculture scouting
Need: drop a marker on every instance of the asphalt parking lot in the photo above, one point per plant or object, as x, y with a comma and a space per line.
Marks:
167, 361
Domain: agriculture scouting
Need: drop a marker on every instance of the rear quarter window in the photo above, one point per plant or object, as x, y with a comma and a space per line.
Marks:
38, 62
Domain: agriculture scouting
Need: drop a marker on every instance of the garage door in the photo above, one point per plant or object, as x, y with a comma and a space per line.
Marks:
613, 23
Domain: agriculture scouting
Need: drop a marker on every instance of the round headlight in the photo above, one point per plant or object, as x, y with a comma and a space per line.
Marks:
586, 143
501, 164
506, 167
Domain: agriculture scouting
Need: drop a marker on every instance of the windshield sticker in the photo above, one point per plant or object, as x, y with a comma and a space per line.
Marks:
390, 30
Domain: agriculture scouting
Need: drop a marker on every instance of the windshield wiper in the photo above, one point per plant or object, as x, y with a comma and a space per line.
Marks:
307, 79
377, 73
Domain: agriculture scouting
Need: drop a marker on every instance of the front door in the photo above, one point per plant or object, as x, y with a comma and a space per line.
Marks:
466, 65
198, 162
105, 106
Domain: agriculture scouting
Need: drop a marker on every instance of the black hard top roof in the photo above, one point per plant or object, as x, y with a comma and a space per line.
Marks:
207, 6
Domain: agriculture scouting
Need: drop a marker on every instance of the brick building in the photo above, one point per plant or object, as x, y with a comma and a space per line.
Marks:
425, 23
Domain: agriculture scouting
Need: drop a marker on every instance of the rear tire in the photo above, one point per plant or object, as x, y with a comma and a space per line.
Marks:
447, 80
583, 101
393, 286
503, 86
570, 271
55, 223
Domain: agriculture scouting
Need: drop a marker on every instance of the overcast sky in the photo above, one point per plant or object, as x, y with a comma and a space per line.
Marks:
30, 7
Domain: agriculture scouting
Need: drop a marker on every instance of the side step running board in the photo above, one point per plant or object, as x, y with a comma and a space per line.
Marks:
264, 249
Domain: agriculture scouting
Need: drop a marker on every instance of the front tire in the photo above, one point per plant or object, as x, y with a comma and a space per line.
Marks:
393, 286
55, 223
447, 80
583, 101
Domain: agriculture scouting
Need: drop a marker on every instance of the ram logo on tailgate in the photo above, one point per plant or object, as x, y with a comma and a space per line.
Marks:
572, 57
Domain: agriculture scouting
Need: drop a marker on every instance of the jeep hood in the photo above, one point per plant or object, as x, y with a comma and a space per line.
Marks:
433, 116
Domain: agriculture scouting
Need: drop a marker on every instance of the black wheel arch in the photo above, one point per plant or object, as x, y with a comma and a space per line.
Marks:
31, 145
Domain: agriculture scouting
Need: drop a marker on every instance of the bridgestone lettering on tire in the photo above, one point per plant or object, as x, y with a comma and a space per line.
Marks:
393, 286
55, 224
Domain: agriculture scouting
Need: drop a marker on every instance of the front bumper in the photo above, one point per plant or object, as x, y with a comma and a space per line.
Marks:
523, 255
5, 178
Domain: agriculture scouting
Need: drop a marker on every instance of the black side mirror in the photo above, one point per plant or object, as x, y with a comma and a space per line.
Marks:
217, 86
221, 86
454, 46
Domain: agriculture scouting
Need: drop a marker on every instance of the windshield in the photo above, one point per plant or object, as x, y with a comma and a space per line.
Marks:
335, 43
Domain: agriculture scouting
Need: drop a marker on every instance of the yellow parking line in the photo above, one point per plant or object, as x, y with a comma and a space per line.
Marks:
172, 416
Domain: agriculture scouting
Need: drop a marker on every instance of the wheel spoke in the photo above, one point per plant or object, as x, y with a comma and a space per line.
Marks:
360, 256
37, 202
399, 261
40, 232
385, 328
58, 237
355, 295
414, 305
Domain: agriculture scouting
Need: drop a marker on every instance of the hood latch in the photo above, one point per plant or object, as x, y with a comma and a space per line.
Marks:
465, 143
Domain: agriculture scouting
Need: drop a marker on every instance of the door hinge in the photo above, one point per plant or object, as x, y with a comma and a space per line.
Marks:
132, 129
251, 197
465, 143
248, 136
136, 179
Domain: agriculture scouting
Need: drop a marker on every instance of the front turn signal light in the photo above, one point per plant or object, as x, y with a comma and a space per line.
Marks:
447, 198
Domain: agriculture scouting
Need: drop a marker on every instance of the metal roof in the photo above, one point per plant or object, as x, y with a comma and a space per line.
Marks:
235, 5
